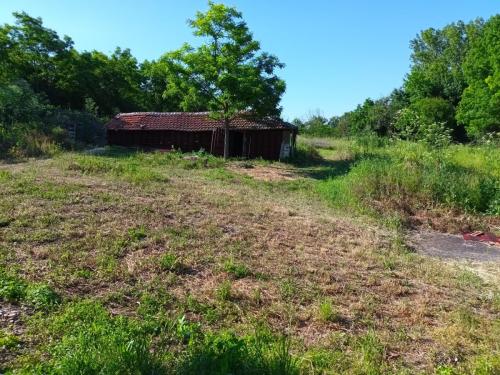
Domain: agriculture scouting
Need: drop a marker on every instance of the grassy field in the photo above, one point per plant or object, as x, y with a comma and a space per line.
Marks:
157, 263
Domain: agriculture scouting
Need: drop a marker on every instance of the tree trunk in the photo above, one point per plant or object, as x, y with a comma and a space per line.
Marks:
226, 138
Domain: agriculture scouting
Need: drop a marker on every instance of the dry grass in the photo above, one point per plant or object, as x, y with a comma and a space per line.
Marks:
103, 237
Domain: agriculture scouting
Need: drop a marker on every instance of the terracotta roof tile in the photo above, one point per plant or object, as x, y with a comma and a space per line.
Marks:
187, 121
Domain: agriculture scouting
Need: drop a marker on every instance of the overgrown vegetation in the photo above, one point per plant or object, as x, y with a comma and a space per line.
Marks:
410, 178
133, 262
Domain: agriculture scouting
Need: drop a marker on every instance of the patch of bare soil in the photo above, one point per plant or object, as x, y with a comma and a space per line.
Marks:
11, 322
266, 173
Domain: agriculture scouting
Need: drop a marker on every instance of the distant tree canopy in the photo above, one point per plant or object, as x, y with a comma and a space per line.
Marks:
453, 88
44, 79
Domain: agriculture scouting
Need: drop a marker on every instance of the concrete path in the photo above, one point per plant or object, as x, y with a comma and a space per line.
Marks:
453, 247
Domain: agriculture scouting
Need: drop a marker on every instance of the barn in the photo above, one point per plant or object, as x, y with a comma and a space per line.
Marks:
270, 139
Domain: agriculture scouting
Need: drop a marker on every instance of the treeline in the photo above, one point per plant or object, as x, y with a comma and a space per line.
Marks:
452, 92
51, 94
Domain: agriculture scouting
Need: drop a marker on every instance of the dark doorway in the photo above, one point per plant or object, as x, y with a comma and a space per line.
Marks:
235, 144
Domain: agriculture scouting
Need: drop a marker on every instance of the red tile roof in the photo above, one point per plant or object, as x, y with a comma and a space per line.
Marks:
187, 121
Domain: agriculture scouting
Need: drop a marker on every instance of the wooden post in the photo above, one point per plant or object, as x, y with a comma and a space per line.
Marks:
226, 138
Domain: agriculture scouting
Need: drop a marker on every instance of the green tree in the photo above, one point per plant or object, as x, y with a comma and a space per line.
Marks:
479, 108
227, 72
437, 58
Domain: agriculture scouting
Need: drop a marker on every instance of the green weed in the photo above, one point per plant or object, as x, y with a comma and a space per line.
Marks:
327, 311
238, 270
224, 291
170, 262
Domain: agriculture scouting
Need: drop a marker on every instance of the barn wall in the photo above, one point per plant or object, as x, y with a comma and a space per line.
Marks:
256, 143
162, 139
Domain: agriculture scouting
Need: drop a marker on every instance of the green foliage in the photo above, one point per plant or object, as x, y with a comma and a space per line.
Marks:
227, 74
137, 234
288, 289
412, 126
238, 270
225, 353
327, 312
317, 125
12, 289
84, 338
40, 296
88, 340
373, 116
462, 177
371, 353
7, 340
224, 291
170, 262
479, 107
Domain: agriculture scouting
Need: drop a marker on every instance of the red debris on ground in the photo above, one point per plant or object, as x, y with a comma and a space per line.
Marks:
487, 237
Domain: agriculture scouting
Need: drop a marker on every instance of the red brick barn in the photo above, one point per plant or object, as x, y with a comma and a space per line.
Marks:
193, 131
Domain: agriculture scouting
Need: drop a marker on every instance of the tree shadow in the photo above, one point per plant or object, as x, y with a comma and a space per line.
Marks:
309, 163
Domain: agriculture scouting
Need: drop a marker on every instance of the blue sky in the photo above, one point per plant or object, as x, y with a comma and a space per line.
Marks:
337, 53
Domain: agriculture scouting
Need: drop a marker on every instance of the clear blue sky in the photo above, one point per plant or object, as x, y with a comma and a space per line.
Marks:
336, 52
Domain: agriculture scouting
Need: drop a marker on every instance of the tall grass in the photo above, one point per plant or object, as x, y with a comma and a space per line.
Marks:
399, 173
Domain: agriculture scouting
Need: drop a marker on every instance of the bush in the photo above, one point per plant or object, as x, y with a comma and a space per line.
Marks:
415, 127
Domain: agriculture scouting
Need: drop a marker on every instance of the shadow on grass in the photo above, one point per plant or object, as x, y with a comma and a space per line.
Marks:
310, 163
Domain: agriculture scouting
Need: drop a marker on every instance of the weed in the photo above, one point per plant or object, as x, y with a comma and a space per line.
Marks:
256, 296
327, 312
223, 291
238, 270
288, 289
8, 340
88, 340
12, 289
170, 262
466, 278
370, 353
42, 296
137, 234
226, 353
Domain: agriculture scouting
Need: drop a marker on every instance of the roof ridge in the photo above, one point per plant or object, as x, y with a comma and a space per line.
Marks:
160, 113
